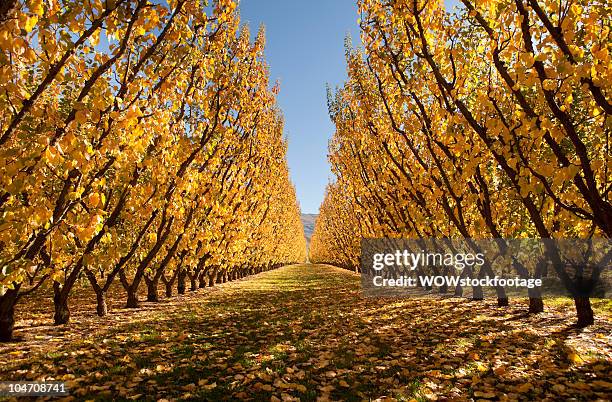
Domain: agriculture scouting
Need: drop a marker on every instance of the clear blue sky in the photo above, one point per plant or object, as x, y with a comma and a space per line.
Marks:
305, 50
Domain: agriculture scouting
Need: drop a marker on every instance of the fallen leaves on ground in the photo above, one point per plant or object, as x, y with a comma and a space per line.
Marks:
305, 332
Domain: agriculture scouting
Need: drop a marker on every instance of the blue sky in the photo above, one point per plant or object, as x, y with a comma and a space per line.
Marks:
305, 50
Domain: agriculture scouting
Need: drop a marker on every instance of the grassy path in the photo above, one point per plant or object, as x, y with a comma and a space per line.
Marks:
305, 332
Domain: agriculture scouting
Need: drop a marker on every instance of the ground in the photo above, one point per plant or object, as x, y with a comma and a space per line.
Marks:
305, 331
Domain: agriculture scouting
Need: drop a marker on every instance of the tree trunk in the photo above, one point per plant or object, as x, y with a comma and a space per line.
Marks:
502, 297
152, 295
218, 277
502, 302
169, 289
202, 279
132, 299
584, 311
60, 301
536, 305
458, 291
194, 284
169, 283
181, 282
7, 314
101, 308
477, 292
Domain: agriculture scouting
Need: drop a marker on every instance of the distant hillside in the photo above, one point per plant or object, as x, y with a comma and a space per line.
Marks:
308, 220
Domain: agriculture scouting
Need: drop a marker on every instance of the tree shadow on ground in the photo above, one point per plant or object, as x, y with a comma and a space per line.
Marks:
306, 332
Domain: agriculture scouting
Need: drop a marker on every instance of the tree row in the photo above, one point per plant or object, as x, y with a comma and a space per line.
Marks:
140, 144
492, 120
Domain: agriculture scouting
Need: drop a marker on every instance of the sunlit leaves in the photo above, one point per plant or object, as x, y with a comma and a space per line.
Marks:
136, 132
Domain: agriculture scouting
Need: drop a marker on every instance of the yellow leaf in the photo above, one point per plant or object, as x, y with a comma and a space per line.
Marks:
30, 23
549, 85
524, 387
94, 199
527, 59
81, 116
36, 6
575, 357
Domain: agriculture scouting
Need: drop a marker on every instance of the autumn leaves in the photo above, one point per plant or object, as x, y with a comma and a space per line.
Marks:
492, 121
139, 143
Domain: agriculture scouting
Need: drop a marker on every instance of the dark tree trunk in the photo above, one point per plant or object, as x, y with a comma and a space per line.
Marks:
477, 292
101, 307
202, 279
60, 301
180, 287
502, 302
502, 297
458, 288
193, 284
219, 277
7, 314
132, 299
169, 289
536, 305
152, 295
169, 283
584, 311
